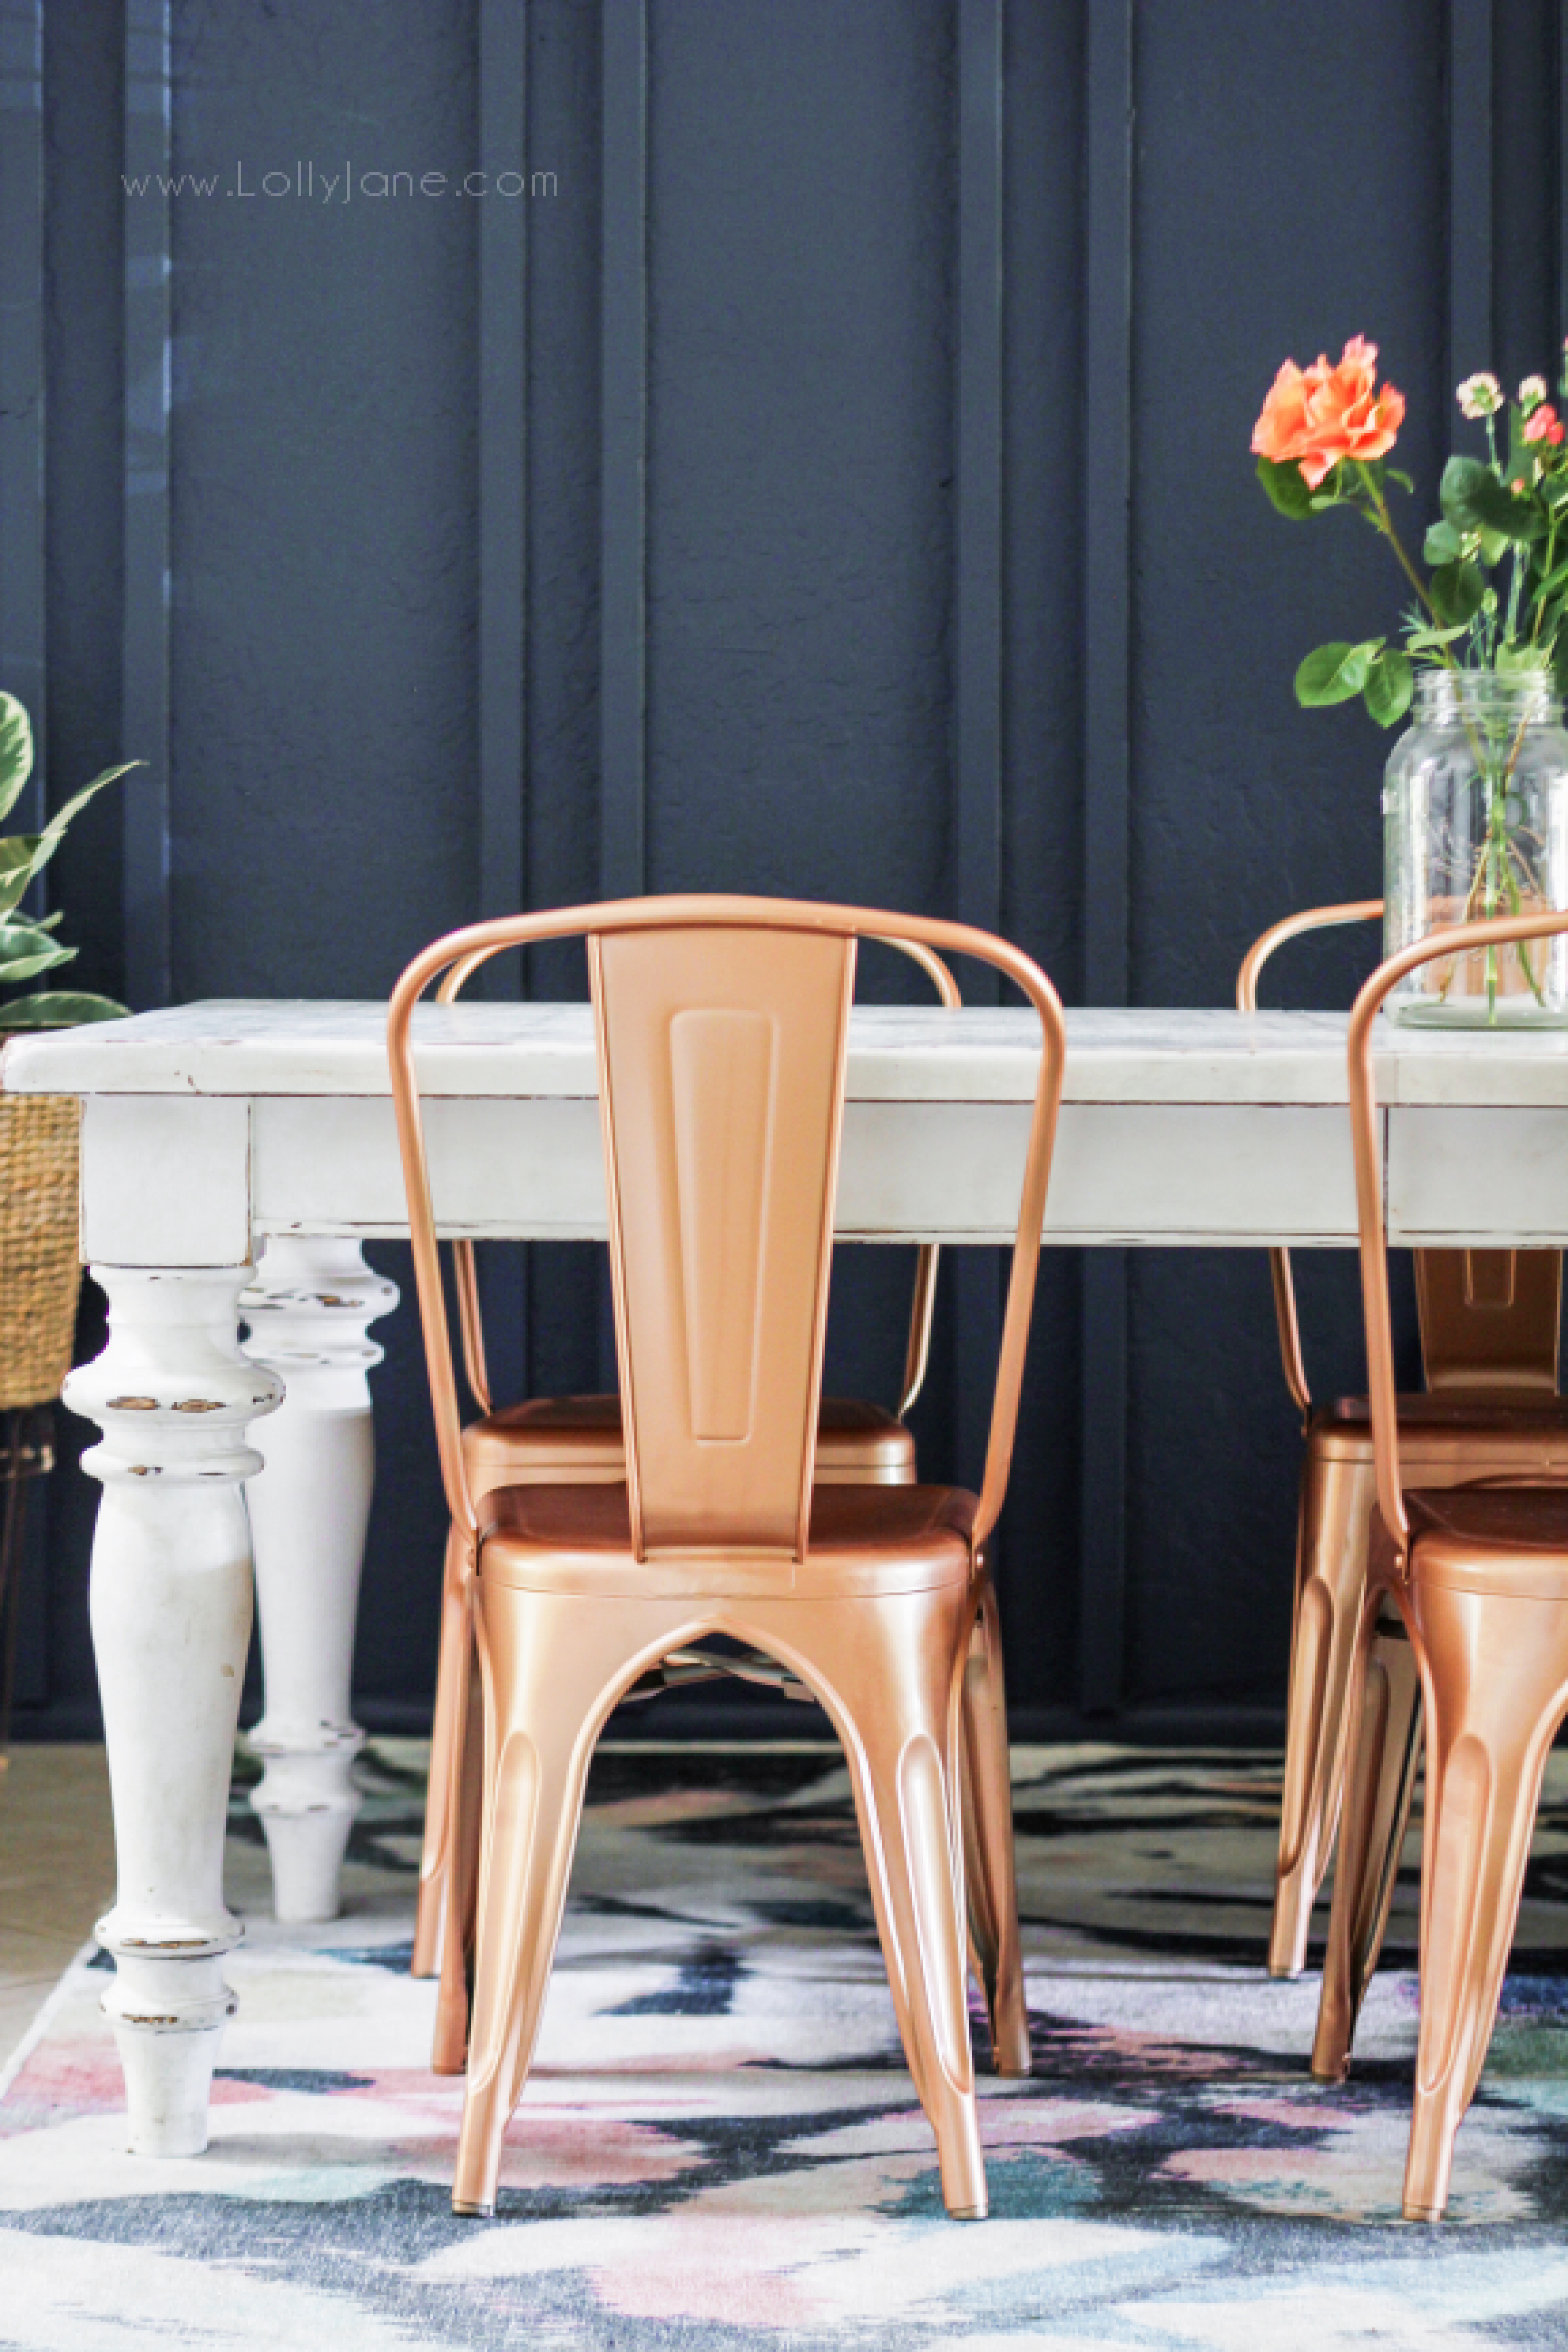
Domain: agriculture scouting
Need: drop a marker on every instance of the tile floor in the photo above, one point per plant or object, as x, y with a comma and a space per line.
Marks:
57, 1872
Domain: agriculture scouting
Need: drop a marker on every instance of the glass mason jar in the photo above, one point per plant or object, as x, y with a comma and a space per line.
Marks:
1475, 823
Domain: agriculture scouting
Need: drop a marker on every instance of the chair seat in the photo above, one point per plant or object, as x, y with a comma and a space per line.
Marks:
865, 1540
569, 1441
1505, 1541
1454, 1433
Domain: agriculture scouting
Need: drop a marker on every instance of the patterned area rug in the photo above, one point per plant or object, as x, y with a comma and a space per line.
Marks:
719, 2150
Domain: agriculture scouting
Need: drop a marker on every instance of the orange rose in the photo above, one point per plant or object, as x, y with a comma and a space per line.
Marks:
1320, 415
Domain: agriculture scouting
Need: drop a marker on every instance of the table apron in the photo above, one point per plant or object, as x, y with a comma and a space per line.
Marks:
186, 1181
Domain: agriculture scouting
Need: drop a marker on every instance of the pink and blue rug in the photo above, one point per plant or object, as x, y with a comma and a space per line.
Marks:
720, 2151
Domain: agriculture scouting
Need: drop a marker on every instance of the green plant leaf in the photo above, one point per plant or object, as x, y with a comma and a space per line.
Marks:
1390, 683
1443, 544
59, 1008
17, 853
26, 951
1425, 641
1457, 590
1396, 473
15, 750
1519, 655
1474, 500
23, 855
1334, 673
1286, 491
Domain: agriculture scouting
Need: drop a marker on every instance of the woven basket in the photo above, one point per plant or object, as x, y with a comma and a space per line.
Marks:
40, 1273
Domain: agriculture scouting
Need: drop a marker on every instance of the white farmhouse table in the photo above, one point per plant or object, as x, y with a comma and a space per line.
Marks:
234, 1156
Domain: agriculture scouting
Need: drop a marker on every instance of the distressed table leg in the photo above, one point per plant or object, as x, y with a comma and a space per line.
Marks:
171, 1625
308, 1309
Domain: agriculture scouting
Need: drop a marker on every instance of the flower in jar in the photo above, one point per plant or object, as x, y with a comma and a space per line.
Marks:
1544, 426
1319, 417
1479, 395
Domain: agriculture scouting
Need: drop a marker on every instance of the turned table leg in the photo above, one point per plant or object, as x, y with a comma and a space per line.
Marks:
308, 1309
171, 1623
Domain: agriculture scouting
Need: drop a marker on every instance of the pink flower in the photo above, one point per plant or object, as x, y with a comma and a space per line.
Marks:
1543, 426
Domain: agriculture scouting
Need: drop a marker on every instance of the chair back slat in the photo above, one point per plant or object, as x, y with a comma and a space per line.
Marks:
722, 1089
1489, 1318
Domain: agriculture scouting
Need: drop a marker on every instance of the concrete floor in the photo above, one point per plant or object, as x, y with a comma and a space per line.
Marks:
57, 1872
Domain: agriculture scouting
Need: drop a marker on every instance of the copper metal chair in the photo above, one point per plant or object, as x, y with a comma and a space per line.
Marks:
721, 1029
1465, 1622
1489, 1335
573, 1440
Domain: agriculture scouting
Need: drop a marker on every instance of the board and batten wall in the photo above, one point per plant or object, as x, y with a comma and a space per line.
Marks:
829, 476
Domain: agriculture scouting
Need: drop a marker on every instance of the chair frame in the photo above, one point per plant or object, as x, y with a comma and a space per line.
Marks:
936, 2040
1510, 1356
1487, 1669
441, 1858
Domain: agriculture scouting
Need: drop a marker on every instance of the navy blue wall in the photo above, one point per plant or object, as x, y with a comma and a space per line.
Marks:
811, 169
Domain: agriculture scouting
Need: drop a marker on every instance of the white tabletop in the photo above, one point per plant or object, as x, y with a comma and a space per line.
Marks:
259, 1047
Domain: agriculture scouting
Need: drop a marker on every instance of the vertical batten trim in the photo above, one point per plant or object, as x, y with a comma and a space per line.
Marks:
503, 461
977, 627
623, 478
978, 553
503, 473
23, 643
1108, 493
1470, 246
145, 678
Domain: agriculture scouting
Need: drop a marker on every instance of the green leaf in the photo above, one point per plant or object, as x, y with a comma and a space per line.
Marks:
1474, 500
1334, 673
15, 750
1519, 657
1457, 590
26, 951
18, 854
1423, 641
23, 855
1288, 493
1404, 480
1390, 683
59, 1008
1443, 544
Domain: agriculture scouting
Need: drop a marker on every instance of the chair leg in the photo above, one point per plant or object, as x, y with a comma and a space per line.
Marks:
1334, 1526
1376, 1814
887, 1671
553, 1662
990, 1885
461, 1880
445, 1746
1498, 1681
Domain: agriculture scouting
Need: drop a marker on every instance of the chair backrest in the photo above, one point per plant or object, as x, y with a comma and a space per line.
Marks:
1370, 1206
722, 1027
922, 1303
1489, 1318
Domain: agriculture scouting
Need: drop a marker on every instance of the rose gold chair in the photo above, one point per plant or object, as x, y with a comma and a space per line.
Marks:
1464, 1620
722, 1030
1489, 1335
574, 1441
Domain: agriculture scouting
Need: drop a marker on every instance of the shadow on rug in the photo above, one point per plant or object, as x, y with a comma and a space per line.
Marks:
719, 2150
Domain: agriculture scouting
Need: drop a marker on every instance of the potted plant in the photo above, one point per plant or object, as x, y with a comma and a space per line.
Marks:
40, 1274
1475, 792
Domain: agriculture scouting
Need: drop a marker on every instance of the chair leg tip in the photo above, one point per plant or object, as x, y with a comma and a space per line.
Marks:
1331, 2072
967, 2212
1422, 2212
1284, 1972
471, 2211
